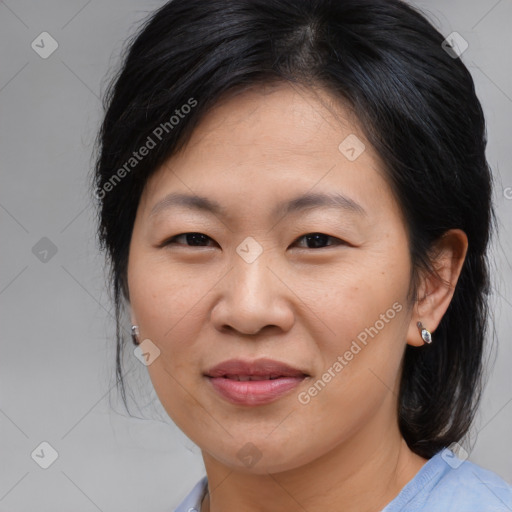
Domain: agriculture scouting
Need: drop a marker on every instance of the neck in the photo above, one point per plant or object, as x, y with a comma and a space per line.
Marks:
362, 475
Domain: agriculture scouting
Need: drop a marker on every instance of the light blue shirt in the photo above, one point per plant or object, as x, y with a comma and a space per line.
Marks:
445, 483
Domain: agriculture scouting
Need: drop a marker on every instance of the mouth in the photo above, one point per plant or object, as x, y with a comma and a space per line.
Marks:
245, 378
258, 369
255, 382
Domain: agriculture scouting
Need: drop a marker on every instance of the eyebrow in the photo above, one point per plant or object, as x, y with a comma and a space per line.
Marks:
304, 202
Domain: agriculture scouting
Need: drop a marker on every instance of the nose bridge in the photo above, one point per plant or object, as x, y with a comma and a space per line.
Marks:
254, 283
253, 297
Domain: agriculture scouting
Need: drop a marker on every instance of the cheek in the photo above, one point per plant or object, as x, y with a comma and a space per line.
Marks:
164, 302
364, 309
360, 363
361, 298
164, 298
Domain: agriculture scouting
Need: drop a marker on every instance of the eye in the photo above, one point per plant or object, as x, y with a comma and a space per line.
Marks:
192, 239
317, 240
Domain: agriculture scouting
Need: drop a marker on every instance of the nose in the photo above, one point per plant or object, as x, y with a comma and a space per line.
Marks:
253, 297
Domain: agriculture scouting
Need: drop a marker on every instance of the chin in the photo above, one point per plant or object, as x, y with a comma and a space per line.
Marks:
261, 456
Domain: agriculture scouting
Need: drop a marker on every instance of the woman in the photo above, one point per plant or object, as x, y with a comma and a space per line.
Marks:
296, 205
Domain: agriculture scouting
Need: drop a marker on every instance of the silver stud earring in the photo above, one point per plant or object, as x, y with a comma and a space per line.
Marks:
135, 334
425, 334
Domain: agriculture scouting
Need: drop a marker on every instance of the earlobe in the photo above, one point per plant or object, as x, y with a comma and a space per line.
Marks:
134, 331
426, 336
135, 334
437, 288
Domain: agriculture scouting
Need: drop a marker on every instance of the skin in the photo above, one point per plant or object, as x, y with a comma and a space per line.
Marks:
296, 303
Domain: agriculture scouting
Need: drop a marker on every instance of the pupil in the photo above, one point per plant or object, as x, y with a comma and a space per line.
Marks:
317, 238
195, 236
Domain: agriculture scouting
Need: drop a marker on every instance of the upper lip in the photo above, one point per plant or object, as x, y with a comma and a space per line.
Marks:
256, 368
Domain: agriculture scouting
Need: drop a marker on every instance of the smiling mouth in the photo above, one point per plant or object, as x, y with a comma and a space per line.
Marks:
256, 382
244, 378
251, 390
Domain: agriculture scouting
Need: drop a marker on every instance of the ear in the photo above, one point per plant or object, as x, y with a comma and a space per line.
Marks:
435, 291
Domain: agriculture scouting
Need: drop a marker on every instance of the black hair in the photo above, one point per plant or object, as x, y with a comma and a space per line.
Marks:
416, 104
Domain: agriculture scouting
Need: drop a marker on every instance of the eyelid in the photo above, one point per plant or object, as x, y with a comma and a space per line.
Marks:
171, 239
339, 241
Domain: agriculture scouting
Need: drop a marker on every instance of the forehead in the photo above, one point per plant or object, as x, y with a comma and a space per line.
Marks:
267, 144
281, 117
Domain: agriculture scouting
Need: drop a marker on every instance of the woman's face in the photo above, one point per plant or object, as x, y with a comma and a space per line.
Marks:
317, 284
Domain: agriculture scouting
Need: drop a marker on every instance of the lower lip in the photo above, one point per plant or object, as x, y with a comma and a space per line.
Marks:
254, 392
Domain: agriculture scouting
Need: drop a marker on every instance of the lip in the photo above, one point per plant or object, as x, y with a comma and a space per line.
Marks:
278, 379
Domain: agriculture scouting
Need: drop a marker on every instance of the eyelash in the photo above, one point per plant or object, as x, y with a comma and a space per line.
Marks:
171, 240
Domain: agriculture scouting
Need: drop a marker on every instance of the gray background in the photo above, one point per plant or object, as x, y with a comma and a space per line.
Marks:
57, 346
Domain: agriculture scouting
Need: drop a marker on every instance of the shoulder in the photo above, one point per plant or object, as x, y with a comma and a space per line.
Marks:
448, 483
192, 502
463, 486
